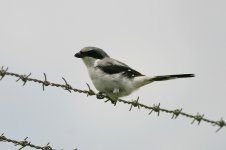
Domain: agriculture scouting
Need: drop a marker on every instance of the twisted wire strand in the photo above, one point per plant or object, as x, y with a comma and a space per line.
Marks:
133, 103
24, 143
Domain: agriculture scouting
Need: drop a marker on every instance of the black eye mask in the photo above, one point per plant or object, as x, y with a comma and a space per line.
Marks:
93, 54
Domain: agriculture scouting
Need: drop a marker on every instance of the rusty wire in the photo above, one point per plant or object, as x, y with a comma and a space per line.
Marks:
133, 103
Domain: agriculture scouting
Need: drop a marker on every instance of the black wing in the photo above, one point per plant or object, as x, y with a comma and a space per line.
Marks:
112, 66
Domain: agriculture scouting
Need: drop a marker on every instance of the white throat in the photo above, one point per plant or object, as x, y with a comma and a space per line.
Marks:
89, 62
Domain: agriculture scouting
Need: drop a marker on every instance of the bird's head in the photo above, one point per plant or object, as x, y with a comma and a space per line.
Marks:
90, 54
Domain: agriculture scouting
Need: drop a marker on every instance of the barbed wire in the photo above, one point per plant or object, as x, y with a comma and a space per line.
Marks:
25, 143
133, 103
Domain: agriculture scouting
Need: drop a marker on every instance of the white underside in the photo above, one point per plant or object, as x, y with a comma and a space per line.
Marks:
115, 85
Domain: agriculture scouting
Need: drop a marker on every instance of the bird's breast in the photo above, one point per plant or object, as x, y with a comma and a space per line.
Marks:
109, 83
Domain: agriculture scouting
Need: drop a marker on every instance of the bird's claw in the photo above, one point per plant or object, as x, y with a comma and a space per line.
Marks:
114, 102
100, 95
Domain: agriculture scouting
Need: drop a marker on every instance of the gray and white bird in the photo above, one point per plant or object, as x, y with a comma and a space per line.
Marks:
114, 78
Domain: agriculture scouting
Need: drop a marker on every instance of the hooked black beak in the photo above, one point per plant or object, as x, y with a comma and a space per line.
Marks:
79, 55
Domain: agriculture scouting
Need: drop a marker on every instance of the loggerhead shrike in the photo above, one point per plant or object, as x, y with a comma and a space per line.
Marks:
114, 78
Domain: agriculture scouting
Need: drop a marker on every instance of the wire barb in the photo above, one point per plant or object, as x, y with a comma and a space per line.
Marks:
23, 143
47, 147
133, 103
24, 78
2, 138
67, 86
90, 92
3, 72
156, 108
176, 113
45, 82
221, 124
198, 118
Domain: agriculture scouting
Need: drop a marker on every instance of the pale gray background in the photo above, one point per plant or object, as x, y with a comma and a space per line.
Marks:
155, 37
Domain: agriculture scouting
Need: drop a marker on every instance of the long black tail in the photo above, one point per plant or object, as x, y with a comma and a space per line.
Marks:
170, 77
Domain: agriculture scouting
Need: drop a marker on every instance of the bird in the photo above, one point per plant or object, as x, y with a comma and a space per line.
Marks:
114, 78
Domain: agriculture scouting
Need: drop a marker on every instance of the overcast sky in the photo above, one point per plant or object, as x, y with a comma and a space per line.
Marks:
154, 37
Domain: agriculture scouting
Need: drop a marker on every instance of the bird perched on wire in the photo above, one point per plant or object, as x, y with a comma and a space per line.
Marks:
114, 78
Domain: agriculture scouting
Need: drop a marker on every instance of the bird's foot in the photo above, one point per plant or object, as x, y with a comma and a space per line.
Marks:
100, 95
113, 100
